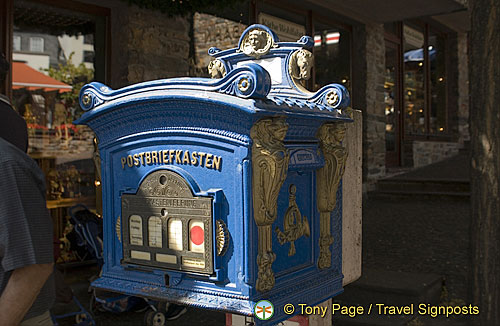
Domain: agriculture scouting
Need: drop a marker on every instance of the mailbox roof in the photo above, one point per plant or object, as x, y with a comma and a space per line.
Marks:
260, 76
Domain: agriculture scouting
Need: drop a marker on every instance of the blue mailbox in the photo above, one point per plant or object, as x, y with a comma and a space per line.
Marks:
221, 192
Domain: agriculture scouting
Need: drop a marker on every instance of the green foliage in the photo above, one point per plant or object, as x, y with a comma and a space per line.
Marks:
73, 75
181, 7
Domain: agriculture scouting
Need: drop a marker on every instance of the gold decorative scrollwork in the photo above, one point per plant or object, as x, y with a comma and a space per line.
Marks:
86, 99
332, 98
270, 165
118, 228
221, 237
216, 69
328, 178
294, 224
244, 84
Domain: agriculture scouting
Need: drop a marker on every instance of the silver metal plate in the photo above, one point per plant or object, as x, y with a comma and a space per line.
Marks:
165, 226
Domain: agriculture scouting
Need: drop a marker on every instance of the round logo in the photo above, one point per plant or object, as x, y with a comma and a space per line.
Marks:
263, 310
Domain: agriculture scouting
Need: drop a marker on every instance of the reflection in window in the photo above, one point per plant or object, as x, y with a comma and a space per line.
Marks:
135, 229
88, 39
155, 232
45, 89
437, 59
414, 66
16, 44
88, 56
36, 44
332, 56
175, 234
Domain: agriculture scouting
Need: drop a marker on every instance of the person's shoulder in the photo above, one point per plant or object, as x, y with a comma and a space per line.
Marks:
13, 155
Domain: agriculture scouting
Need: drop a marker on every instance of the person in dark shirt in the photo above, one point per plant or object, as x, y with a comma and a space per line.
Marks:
26, 249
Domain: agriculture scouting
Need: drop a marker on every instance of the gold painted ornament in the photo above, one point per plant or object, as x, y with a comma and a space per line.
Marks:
269, 165
330, 136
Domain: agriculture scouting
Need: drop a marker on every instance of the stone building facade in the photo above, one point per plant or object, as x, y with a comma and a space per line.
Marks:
208, 31
156, 47
368, 95
143, 44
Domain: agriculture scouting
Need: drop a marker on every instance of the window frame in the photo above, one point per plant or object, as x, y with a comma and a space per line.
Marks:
427, 135
32, 44
86, 54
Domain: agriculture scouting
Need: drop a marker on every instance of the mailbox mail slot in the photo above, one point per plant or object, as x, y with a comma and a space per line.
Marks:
220, 192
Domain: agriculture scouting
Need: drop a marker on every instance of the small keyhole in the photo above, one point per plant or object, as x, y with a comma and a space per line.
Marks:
163, 180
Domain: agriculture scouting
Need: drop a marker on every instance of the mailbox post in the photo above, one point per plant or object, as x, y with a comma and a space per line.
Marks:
219, 193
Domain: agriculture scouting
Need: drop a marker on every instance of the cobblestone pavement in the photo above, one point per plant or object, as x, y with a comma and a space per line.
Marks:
78, 279
419, 235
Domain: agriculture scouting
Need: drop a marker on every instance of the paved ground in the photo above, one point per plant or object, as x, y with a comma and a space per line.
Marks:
423, 236
454, 168
419, 235
77, 278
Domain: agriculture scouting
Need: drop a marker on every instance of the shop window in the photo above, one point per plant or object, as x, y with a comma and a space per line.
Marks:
424, 91
414, 79
437, 59
46, 80
36, 44
332, 55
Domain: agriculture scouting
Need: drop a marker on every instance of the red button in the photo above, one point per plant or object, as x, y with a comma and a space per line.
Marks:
197, 235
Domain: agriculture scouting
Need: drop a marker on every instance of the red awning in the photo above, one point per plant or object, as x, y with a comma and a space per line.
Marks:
23, 76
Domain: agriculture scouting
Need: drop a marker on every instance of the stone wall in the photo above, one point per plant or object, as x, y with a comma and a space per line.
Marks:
209, 31
368, 96
145, 44
158, 45
428, 152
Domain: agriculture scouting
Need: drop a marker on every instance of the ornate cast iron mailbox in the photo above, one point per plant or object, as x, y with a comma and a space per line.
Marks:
220, 192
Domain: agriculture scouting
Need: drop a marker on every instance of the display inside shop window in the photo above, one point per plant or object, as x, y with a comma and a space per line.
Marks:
54, 53
45, 88
438, 105
68, 181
